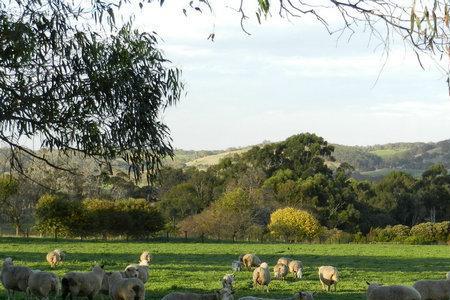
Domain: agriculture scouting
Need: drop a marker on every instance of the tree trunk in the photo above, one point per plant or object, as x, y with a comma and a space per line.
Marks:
185, 235
17, 230
56, 234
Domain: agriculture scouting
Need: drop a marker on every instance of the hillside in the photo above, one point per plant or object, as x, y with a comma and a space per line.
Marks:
370, 162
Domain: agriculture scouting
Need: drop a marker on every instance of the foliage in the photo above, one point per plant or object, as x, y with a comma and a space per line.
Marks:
87, 87
293, 224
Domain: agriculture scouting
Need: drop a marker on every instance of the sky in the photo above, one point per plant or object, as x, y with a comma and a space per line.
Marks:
292, 77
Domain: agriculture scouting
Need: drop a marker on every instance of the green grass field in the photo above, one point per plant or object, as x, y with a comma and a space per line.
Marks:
199, 267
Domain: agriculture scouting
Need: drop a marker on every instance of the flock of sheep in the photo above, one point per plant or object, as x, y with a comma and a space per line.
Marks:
129, 283
125, 285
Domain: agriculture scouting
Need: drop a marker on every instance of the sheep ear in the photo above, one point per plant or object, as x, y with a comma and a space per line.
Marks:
102, 266
314, 293
368, 283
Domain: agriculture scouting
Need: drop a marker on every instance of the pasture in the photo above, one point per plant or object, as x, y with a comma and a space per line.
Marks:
199, 267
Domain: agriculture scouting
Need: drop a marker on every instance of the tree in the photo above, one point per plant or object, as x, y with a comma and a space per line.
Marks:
293, 224
56, 214
92, 88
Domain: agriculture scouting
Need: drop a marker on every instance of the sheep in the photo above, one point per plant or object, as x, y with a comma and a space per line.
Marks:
280, 271
125, 288
433, 289
41, 284
54, 257
328, 276
261, 276
236, 266
284, 261
228, 280
296, 268
136, 270
223, 294
83, 284
145, 258
104, 290
14, 278
448, 275
250, 260
393, 292
296, 296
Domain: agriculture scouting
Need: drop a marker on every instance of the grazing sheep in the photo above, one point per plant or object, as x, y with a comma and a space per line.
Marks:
284, 261
448, 275
104, 290
328, 276
296, 268
236, 265
83, 284
433, 289
296, 296
125, 288
250, 260
280, 271
14, 278
393, 292
261, 276
145, 258
223, 294
54, 257
41, 284
227, 281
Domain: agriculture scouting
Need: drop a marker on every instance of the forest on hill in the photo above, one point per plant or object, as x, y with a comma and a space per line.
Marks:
245, 195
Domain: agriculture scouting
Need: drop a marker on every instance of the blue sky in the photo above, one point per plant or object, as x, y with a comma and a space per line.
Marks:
288, 78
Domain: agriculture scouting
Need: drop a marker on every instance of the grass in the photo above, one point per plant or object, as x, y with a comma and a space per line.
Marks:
199, 267
210, 160
389, 153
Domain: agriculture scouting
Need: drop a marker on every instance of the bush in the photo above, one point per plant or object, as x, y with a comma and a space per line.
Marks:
293, 224
423, 233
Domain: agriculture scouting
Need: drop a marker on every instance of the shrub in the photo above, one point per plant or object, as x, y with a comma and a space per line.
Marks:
293, 224
423, 233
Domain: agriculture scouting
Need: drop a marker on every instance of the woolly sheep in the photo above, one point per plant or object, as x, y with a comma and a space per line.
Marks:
284, 261
125, 288
296, 296
280, 271
41, 284
83, 284
236, 266
433, 289
448, 275
223, 294
261, 276
54, 257
250, 260
393, 292
136, 270
228, 280
296, 268
328, 276
145, 258
14, 278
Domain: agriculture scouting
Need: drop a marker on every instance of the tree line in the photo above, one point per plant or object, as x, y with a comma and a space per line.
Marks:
234, 199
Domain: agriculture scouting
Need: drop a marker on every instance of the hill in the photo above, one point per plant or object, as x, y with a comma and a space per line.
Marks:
370, 162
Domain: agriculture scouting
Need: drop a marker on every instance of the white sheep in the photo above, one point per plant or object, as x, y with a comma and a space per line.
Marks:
14, 278
448, 275
228, 280
280, 271
296, 296
284, 260
54, 257
41, 284
145, 258
392, 292
236, 266
137, 270
261, 276
250, 260
82, 284
296, 268
125, 288
433, 289
328, 276
223, 294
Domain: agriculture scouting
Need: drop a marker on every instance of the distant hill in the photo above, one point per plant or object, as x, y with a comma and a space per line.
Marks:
370, 162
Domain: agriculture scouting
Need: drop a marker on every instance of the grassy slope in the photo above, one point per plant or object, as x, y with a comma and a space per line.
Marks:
199, 267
